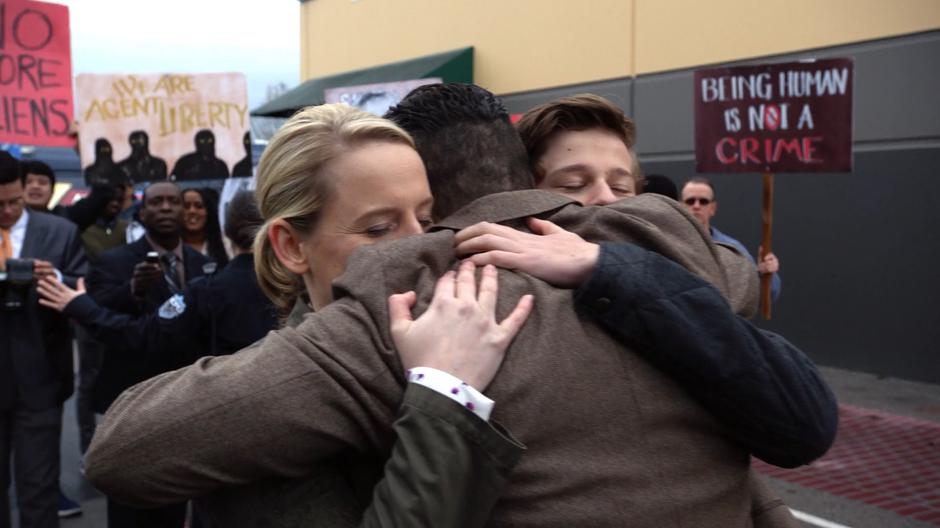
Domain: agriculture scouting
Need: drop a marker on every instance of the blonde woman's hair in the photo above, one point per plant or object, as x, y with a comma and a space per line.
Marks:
291, 186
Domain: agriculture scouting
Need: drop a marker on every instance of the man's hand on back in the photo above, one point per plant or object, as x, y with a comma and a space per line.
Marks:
550, 253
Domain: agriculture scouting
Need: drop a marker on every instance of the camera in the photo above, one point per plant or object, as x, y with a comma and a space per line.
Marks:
15, 283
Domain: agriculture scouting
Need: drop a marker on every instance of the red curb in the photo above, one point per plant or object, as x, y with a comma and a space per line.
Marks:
881, 459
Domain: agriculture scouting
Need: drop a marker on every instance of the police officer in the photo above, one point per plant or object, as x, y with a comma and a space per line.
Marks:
216, 314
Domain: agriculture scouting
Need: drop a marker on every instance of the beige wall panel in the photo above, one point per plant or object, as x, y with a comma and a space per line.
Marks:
519, 44
674, 34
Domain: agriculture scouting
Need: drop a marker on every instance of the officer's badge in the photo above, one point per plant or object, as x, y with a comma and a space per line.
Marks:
172, 308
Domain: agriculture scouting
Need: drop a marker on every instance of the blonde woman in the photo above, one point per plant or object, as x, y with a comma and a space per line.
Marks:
333, 179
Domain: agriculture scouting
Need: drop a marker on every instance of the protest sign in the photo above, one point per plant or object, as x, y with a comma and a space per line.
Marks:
163, 126
35, 73
375, 98
787, 117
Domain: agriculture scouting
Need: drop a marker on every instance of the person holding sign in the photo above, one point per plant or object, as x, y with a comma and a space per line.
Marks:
698, 196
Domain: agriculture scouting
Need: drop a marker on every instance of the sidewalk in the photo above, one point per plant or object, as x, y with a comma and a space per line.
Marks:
884, 468
905, 398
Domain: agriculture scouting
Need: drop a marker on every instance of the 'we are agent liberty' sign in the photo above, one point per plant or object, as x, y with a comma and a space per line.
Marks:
787, 117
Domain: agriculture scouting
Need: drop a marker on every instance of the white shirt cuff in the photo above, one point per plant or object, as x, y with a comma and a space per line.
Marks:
58, 274
455, 389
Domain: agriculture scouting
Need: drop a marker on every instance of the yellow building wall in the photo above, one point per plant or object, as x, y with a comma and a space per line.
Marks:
673, 34
518, 44
523, 45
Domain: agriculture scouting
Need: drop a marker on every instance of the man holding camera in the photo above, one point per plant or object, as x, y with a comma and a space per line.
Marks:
35, 349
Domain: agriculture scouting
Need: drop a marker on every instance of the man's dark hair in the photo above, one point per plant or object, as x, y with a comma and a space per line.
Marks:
37, 167
469, 147
660, 184
147, 188
9, 168
242, 219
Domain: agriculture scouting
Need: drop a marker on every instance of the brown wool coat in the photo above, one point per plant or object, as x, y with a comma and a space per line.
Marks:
611, 440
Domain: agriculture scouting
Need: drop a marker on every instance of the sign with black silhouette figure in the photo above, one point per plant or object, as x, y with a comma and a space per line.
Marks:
786, 117
180, 127
35, 74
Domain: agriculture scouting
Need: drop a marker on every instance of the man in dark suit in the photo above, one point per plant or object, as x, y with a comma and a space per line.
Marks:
124, 281
35, 351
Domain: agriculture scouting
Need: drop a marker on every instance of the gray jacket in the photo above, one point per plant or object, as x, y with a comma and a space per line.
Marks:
36, 351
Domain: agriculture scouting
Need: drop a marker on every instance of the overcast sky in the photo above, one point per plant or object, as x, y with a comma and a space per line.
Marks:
260, 38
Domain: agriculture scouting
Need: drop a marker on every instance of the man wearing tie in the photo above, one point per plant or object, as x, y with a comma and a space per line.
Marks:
124, 280
35, 350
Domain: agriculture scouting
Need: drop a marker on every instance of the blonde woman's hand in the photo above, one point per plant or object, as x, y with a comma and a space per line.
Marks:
458, 333
56, 295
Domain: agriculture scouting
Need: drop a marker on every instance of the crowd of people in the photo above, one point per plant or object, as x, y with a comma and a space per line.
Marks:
431, 318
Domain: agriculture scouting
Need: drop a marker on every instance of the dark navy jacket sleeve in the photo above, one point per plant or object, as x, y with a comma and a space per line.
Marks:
765, 391
163, 338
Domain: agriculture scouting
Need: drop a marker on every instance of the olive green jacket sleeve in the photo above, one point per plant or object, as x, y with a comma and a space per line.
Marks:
448, 467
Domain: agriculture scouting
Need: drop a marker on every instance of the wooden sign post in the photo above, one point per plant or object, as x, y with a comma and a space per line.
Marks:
772, 118
767, 214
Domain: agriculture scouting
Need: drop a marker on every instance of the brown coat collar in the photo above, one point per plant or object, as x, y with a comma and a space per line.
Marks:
501, 207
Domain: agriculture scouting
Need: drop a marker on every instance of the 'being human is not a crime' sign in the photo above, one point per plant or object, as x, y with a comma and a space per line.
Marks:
786, 117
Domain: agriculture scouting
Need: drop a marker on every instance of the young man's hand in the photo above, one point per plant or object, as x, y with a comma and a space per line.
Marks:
550, 253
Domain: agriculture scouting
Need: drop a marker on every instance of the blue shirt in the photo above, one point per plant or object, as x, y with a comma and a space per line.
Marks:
775, 284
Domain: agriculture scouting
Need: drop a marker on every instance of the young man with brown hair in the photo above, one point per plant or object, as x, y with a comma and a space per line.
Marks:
582, 147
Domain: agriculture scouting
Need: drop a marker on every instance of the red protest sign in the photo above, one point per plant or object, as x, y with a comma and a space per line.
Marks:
35, 73
787, 117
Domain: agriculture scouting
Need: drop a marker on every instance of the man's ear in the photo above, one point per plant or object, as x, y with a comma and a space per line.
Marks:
285, 241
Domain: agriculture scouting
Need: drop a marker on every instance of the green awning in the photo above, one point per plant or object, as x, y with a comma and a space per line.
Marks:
451, 66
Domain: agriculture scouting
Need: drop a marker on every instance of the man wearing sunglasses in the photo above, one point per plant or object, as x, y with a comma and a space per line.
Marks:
698, 196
